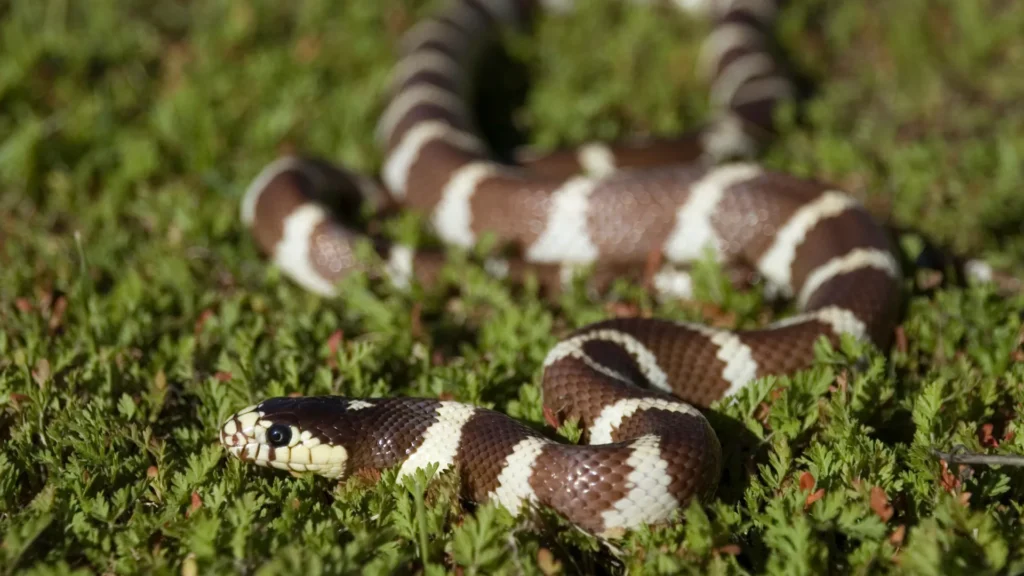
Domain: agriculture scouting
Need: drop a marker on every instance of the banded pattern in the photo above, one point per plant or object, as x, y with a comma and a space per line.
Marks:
634, 384
640, 471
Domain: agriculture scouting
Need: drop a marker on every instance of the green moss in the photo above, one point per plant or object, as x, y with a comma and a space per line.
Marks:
137, 313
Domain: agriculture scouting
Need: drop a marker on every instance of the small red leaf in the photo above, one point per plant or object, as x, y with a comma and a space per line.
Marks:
947, 479
547, 563
985, 436
896, 538
880, 503
201, 321
19, 399
622, 310
730, 549
57, 313
196, 504
551, 418
334, 341
812, 498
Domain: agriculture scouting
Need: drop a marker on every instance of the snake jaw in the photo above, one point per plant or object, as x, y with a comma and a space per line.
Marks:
240, 452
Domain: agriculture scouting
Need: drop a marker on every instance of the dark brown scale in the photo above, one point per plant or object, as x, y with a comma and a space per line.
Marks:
332, 243
332, 250
508, 193
614, 357
785, 349
429, 78
653, 153
758, 117
684, 354
572, 389
870, 294
556, 164
281, 196
628, 154
627, 227
424, 188
437, 46
582, 481
736, 53
487, 440
429, 112
750, 215
836, 236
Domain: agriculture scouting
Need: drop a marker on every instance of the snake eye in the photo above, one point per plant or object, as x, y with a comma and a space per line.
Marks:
279, 435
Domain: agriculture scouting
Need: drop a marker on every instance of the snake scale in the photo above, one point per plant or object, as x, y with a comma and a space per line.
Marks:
634, 384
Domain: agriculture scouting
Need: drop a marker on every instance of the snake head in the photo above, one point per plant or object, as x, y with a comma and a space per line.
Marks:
287, 434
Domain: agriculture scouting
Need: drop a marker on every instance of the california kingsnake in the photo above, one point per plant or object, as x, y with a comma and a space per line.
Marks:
632, 383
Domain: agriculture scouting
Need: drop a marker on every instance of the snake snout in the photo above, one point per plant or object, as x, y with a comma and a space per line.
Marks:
239, 431
231, 436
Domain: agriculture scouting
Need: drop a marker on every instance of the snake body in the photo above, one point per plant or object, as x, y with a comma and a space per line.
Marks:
634, 384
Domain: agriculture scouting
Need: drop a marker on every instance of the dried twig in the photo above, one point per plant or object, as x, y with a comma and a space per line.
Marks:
959, 455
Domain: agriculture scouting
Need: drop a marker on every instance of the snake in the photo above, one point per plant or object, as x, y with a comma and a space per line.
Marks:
643, 208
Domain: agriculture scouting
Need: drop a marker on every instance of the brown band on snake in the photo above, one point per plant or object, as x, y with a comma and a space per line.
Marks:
597, 158
488, 440
633, 383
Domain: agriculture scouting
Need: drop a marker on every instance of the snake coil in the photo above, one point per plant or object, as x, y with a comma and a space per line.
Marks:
633, 384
